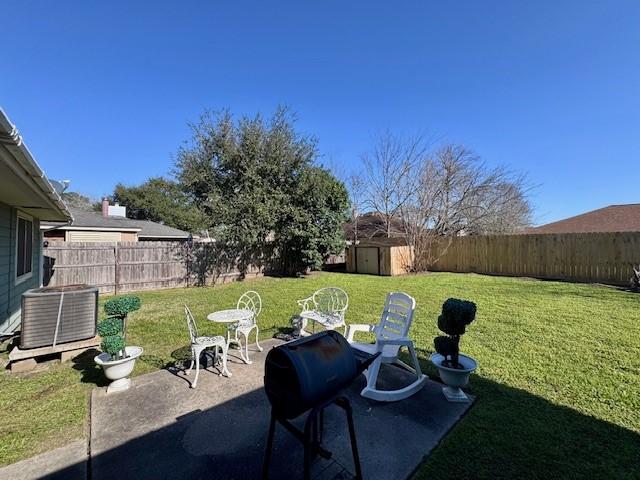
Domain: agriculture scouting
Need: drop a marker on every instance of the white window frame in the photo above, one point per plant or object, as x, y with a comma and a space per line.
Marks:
28, 275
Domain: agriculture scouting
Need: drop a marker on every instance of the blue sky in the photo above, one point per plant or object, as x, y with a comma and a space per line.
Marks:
102, 91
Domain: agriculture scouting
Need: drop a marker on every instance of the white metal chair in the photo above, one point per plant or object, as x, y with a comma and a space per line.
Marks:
248, 301
200, 343
326, 306
391, 335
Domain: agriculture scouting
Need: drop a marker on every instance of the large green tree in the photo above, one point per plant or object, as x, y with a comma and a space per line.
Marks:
310, 227
78, 200
160, 200
256, 182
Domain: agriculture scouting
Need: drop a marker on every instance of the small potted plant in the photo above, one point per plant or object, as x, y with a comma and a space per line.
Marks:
117, 359
453, 367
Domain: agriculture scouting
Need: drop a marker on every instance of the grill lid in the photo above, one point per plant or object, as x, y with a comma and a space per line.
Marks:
307, 372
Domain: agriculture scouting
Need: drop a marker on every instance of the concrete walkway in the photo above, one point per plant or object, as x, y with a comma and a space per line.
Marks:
65, 463
160, 428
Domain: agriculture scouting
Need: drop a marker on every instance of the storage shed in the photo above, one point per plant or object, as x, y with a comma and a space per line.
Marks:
380, 256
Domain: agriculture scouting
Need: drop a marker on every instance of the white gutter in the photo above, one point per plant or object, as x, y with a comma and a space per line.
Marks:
162, 236
9, 136
97, 229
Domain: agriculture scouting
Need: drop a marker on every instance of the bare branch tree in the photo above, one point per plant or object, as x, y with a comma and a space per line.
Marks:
356, 186
439, 195
389, 175
457, 194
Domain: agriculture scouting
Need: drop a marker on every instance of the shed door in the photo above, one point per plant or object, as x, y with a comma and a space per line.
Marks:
367, 260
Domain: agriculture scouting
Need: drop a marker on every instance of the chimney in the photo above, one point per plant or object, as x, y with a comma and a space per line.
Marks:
117, 210
105, 207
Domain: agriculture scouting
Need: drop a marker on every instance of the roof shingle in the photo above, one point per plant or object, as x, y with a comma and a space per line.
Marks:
614, 218
145, 228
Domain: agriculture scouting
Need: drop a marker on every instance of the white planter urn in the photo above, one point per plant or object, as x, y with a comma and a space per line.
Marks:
454, 378
118, 371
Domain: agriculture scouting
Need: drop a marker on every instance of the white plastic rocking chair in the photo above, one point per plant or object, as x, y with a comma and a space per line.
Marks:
391, 335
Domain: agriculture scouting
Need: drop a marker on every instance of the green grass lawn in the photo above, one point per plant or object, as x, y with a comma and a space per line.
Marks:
558, 387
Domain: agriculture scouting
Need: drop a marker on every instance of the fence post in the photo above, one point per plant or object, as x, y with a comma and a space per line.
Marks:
116, 270
189, 251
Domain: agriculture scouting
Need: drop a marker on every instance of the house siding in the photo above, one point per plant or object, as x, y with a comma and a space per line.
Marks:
129, 237
90, 236
10, 292
5, 264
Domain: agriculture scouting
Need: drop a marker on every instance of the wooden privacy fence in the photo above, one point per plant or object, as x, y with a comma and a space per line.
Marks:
581, 257
117, 267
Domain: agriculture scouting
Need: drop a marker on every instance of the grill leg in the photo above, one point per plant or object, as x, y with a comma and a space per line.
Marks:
307, 441
267, 453
318, 428
346, 405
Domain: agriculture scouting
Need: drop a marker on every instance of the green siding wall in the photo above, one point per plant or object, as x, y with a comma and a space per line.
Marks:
10, 293
6, 261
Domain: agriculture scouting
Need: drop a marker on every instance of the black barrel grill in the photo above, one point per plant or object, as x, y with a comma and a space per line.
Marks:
309, 374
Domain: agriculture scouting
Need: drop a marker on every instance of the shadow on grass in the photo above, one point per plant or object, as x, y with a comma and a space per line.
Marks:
180, 356
93, 374
90, 372
181, 360
154, 361
511, 433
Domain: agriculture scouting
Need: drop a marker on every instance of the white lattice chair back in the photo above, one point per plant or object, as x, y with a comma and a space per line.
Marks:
191, 323
396, 317
250, 301
331, 300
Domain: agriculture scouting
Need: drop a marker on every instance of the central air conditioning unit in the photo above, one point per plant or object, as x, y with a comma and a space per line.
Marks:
54, 315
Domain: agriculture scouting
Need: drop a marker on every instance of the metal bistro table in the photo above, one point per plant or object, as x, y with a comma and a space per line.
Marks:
229, 316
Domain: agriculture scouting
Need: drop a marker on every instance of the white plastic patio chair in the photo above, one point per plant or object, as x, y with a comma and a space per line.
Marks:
326, 306
248, 301
200, 343
391, 335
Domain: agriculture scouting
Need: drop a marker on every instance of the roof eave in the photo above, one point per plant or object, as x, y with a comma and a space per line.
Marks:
31, 168
142, 235
98, 229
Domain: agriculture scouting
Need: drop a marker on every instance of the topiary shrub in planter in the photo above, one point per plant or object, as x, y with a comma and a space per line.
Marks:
113, 342
117, 359
453, 367
456, 315
121, 306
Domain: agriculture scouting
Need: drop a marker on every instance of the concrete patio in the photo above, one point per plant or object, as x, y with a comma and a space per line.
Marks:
161, 428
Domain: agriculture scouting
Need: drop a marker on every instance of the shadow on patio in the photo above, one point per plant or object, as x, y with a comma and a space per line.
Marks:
162, 429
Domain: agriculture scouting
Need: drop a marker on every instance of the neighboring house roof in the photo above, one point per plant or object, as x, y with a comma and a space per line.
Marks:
382, 242
86, 219
372, 225
95, 221
150, 229
23, 184
614, 218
